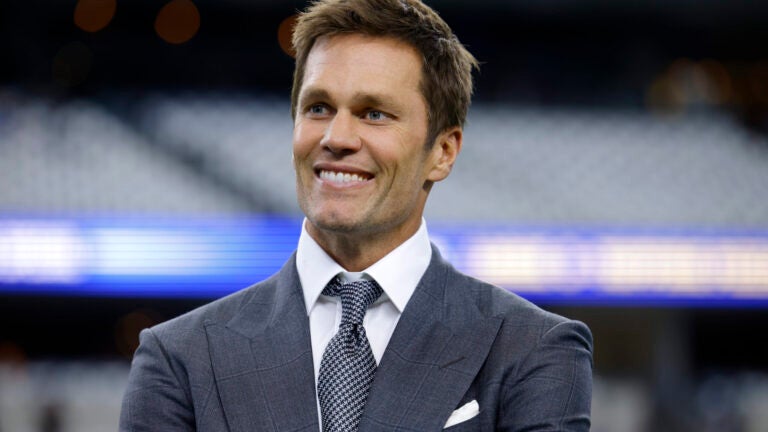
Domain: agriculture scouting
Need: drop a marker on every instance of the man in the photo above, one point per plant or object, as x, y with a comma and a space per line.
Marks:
366, 327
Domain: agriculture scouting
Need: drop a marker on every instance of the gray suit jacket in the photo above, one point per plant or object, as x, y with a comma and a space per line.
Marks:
244, 363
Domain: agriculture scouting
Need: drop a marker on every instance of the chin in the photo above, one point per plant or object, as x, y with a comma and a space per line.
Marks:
334, 223
341, 227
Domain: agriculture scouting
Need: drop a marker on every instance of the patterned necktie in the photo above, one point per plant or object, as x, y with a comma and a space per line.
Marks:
348, 367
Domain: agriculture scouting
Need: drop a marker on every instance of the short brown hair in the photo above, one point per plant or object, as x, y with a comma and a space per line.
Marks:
446, 82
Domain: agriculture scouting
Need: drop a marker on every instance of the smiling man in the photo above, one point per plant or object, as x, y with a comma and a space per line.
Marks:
363, 163
366, 327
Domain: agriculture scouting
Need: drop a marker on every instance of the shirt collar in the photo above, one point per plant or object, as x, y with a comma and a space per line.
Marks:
397, 273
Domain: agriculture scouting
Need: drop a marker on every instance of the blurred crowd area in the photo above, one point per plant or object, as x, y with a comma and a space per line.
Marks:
649, 116
224, 154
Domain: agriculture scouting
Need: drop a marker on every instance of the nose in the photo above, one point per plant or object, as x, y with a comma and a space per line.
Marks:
341, 136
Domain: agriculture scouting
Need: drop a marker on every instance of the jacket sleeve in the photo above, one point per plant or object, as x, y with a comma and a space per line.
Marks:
552, 388
155, 398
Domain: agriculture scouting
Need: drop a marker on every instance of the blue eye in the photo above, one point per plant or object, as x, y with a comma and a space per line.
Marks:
375, 115
317, 109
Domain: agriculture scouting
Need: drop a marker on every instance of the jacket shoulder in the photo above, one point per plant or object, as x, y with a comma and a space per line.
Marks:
492, 300
183, 329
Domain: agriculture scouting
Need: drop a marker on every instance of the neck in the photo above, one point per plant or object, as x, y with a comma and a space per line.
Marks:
355, 251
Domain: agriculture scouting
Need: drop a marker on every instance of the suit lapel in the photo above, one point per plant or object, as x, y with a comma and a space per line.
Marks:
438, 346
262, 359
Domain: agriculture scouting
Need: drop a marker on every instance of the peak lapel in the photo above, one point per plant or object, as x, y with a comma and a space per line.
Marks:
262, 359
438, 346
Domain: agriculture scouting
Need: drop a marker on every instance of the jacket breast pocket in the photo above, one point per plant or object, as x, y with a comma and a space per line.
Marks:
473, 424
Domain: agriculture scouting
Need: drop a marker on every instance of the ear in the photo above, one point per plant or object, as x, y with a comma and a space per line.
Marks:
444, 152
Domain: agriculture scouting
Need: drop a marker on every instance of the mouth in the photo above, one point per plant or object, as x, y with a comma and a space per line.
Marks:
345, 178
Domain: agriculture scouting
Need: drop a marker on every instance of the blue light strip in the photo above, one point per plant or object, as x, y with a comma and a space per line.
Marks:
207, 258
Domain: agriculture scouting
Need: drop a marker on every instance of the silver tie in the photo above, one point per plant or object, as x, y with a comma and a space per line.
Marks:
348, 367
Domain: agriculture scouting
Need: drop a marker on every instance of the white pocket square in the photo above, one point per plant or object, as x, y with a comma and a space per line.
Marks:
466, 412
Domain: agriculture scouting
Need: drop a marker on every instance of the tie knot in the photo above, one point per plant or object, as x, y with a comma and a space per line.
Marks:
355, 298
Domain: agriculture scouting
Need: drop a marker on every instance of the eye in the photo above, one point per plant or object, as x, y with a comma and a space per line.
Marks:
317, 109
375, 115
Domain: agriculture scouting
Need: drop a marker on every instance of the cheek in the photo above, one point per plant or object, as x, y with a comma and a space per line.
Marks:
299, 149
302, 141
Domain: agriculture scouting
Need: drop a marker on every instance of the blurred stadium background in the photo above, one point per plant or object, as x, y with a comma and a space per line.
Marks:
615, 170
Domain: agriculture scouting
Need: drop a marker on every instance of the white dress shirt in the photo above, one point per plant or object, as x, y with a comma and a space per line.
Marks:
397, 273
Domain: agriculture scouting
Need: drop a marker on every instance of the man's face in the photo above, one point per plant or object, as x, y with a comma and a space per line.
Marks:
359, 138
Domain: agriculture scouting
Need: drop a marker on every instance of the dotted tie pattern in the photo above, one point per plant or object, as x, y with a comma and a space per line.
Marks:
347, 367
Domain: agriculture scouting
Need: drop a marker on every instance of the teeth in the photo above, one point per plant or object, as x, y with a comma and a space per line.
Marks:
338, 177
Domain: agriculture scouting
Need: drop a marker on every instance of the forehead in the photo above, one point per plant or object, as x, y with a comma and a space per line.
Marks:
368, 62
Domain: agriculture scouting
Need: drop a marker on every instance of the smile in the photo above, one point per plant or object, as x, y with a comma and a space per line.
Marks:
343, 177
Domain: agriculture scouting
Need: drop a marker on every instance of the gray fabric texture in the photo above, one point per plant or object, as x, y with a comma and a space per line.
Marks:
244, 363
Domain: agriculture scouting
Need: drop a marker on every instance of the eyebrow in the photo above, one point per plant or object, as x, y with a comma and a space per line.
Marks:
313, 94
366, 99
374, 100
